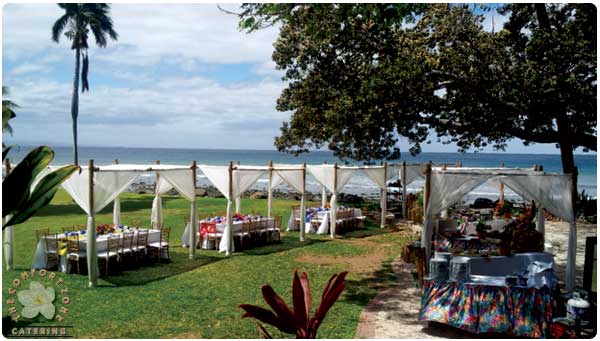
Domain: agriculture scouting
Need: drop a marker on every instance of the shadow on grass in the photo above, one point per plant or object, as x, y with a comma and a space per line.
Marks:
152, 272
361, 292
286, 244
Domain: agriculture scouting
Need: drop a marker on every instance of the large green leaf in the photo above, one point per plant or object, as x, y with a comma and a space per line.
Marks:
42, 194
16, 185
5, 152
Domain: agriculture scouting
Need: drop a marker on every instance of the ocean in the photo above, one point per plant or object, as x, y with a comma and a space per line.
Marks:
358, 185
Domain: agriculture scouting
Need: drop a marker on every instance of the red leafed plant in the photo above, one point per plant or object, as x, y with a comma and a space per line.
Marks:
298, 320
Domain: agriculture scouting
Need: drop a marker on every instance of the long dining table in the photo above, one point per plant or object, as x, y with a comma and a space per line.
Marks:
40, 259
220, 225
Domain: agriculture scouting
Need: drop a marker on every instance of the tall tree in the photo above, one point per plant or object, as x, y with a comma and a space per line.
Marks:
363, 75
76, 23
8, 111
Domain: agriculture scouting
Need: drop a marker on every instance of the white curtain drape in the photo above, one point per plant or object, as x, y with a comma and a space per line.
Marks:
107, 186
446, 189
413, 172
324, 174
295, 178
117, 211
162, 187
274, 181
554, 193
242, 179
323, 196
378, 175
9, 245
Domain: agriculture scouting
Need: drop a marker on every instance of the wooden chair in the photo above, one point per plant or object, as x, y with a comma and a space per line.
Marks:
161, 245
112, 251
243, 233
262, 228
70, 229
39, 233
51, 253
141, 245
126, 249
274, 231
74, 253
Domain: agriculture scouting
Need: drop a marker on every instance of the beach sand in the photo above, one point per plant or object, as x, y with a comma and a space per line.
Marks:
393, 313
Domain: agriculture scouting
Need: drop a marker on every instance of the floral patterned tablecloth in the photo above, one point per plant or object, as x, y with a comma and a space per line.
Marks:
517, 311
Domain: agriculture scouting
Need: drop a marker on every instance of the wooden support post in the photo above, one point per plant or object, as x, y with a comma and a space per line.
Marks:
384, 197
404, 192
270, 191
116, 204
238, 200
333, 214
9, 233
427, 224
92, 254
193, 215
572, 241
229, 227
501, 199
303, 204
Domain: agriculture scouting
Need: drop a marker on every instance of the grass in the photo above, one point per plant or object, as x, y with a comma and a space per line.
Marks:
199, 298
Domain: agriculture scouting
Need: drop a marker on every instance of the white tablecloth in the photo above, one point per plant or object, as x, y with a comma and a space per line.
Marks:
324, 216
235, 227
502, 265
39, 259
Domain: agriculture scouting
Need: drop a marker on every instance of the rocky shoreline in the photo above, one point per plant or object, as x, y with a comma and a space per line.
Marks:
141, 187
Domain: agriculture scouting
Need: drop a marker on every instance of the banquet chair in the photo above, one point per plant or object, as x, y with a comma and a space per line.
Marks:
296, 216
212, 234
51, 241
274, 231
262, 228
161, 245
141, 245
69, 229
39, 233
243, 233
112, 251
126, 247
74, 252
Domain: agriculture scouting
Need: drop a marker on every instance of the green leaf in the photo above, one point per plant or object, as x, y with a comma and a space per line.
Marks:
16, 185
5, 152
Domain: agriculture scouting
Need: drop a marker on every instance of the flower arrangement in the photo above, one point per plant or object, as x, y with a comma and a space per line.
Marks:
105, 229
238, 216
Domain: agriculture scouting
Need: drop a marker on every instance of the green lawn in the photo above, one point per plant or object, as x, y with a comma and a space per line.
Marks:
199, 298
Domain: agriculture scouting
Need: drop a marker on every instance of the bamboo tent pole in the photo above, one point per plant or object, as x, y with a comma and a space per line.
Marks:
383, 199
324, 193
333, 214
193, 214
9, 233
91, 249
404, 191
229, 227
427, 224
116, 203
270, 191
238, 199
303, 204
572, 242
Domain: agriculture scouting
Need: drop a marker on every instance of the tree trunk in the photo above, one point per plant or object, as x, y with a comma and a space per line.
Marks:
75, 104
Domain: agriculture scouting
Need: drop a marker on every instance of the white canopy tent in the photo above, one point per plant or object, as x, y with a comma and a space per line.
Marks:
381, 175
295, 176
231, 182
554, 192
93, 188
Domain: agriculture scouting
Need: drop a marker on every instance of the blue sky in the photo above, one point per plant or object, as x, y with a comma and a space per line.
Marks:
180, 76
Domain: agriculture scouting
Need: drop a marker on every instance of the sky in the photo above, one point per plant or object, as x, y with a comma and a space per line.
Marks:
180, 76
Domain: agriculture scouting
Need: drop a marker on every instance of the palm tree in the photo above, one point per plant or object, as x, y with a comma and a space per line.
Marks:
8, 112
76, 23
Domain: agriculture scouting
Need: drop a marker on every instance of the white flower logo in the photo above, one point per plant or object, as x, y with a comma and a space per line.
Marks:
37, 299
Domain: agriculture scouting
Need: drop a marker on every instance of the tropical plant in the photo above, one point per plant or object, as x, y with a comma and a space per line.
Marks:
23, 193
8, 112
76, 23
298, 320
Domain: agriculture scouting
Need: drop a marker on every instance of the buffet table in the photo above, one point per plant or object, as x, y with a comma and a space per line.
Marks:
480, 308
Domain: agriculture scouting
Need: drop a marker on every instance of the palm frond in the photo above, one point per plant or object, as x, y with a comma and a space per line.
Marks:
59, 26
